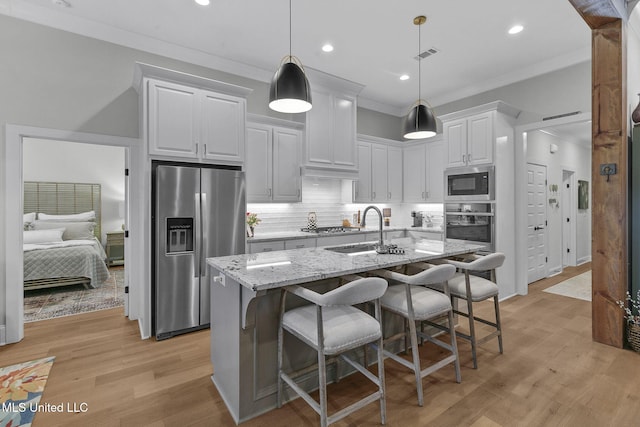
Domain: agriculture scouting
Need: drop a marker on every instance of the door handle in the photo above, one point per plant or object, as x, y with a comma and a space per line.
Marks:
536, 228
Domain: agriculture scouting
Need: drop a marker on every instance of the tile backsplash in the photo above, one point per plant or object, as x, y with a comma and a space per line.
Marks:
330, 200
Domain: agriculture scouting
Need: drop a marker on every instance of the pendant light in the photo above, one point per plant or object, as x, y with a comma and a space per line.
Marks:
290, 92
420, 122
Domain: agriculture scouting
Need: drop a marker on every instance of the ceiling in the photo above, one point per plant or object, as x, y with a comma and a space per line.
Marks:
375, 41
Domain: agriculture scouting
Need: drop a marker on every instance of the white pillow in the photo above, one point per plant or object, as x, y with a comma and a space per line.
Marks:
84, 216
72, 230
42, 236
29, 217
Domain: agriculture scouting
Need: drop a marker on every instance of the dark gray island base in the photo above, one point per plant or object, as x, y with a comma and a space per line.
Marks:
245, 292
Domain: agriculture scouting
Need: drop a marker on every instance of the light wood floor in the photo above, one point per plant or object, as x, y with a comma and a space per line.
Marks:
551, 373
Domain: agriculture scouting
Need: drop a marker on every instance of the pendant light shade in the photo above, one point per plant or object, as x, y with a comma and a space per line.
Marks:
289, 91
420, 123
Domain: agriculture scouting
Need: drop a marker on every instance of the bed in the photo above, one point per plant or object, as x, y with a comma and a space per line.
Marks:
61, 235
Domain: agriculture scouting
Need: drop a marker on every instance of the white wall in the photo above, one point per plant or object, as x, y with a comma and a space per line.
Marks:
59, 161
570, 156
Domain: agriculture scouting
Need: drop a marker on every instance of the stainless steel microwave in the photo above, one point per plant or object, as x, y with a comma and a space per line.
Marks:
476, 183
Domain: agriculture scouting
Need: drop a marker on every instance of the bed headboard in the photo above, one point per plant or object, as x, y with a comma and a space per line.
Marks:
63, 198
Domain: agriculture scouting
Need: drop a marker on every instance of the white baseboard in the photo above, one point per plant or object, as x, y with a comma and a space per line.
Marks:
3, 335
584, 260
141, 328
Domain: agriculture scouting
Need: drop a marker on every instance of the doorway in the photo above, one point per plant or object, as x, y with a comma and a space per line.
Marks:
81, 189
13, 224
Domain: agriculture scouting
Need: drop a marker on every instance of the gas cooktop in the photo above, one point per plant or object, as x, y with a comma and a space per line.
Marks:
326, 230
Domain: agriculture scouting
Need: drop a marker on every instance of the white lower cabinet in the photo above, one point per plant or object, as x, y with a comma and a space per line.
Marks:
388, 235
429, 235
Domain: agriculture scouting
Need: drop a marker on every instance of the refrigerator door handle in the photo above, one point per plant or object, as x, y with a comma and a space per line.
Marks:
203, 221
197, 234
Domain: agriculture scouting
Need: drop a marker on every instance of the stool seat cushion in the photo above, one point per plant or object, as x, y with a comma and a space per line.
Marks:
344, 327
427, 303
481, 288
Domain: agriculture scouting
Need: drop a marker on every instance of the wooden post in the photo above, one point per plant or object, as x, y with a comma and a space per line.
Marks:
609, 222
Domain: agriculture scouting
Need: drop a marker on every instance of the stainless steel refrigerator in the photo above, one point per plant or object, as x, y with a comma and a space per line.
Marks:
197, 212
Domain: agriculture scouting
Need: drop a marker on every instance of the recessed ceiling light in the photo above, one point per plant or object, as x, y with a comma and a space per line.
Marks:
203, 2
404, 77
516, 29
327, 48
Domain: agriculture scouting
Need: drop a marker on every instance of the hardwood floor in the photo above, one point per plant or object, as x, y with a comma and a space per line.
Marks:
551, 373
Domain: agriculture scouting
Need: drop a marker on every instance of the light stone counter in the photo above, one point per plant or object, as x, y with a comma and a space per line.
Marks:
270, 270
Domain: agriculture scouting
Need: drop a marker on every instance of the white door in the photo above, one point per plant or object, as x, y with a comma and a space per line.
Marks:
536, 222
436, 155
258, 163
394, 174
413, 168
223, 127
455, 136
480, 139
362, 186
379, 188
286, 165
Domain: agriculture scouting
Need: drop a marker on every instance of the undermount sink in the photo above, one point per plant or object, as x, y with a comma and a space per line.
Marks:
355, 249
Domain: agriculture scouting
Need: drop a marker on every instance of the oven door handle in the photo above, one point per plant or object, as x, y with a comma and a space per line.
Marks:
536, 228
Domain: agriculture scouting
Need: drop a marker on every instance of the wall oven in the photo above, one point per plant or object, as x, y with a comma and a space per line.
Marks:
470, 184
471, 223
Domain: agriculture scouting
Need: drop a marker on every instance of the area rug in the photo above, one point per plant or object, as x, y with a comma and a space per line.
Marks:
21, 388
43, 304
576, 287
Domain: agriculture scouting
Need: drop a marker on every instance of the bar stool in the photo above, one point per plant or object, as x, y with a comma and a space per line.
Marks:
415, 302
331, 326
472, 288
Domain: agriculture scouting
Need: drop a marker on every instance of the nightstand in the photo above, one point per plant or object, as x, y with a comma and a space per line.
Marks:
115, 248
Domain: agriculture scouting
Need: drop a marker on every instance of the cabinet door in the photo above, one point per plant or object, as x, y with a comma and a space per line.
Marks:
223, 127
362, 187
258, 163
455, 136
344, 132
172, 120
480, 139
319, 141
286, 165
414, 173
436, 155
394, 174
379, 190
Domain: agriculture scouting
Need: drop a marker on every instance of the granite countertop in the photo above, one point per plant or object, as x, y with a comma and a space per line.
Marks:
270, 270
292, 235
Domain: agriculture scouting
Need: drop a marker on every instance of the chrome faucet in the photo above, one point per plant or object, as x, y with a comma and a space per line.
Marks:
382, 249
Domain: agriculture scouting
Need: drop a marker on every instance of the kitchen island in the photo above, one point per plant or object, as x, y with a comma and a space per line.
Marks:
245, 292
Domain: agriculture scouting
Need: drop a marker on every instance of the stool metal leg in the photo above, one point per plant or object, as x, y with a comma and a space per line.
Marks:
322, 371
414, 345
472, 329
454, 345
383, 399
498, 324
280, 347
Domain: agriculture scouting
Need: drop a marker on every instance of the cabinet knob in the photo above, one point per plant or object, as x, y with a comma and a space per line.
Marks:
464, 159
374, 195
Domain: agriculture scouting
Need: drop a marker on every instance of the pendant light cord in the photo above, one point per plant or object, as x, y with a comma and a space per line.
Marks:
419, 63
289, 30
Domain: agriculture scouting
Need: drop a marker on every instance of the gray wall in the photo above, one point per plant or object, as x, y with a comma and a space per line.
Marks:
563, 91
379, 124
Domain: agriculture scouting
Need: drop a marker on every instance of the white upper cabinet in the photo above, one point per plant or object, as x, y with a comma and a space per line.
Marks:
186, 117
380, 171
173, 111
330, 143
469, 140
423, 169
470, 134
273, 162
